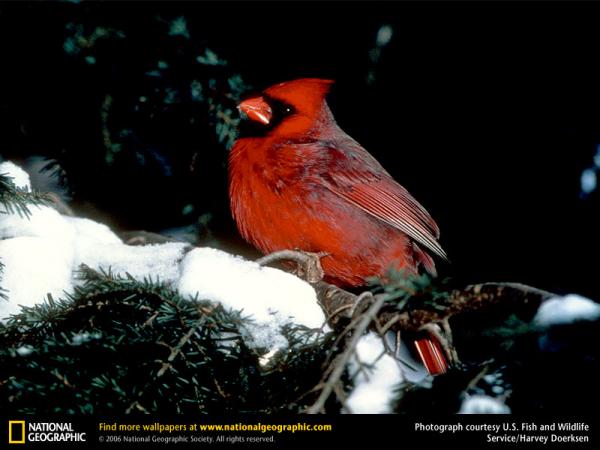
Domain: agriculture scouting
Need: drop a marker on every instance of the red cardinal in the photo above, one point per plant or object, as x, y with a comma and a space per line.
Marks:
298, 181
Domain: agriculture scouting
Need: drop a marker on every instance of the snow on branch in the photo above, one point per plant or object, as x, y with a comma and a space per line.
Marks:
15, 191
43, 250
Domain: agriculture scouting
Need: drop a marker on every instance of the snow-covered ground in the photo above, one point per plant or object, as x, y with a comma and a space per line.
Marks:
41, 255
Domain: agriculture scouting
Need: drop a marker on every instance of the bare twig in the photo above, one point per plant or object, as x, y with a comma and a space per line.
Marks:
142, 237
63, 379
337, 373
471, 298
175, 351
308, 262
362, 299
137, 406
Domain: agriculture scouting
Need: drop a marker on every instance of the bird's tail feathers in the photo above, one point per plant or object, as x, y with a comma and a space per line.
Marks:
431, 355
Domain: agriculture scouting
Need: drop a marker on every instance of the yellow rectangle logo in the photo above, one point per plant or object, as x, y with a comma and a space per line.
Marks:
18, 437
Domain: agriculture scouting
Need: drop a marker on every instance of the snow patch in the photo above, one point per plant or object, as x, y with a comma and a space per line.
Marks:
565, 310
19, 177
42, 252
100, 248
271, 297
43, 222
483, 404
413, 369
97, 232
266, 358
82, 338
160, 261
376, 374
33, 268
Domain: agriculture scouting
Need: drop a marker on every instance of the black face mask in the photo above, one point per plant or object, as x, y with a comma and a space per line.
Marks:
280, 111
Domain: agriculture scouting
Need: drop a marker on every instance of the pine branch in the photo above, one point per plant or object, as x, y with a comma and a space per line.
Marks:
18, 201
126, 345
342, 361
3, 295
419, 311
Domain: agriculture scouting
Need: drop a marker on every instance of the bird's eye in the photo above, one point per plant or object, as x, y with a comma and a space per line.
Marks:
287, 110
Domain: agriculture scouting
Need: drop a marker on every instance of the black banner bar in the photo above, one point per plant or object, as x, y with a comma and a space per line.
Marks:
130, 432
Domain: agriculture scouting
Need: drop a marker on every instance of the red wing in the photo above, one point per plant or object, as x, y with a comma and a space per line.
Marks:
375, 192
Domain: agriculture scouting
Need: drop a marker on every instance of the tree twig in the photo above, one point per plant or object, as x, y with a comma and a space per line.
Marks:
471, 298
309, 263
337, 373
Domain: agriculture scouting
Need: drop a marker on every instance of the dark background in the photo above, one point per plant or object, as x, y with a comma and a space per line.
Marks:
488, 113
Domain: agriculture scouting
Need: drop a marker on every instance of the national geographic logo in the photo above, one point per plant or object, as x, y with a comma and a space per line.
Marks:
16, 431
20, 432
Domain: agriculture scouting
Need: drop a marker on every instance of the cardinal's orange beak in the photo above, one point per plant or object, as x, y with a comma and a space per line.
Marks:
257, 110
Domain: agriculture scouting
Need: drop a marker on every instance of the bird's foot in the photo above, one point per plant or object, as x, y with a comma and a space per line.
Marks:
308, 265
443, 336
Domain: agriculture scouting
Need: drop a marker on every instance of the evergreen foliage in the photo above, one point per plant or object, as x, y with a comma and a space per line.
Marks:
3, 295
121, 346
157, 122
18, 201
